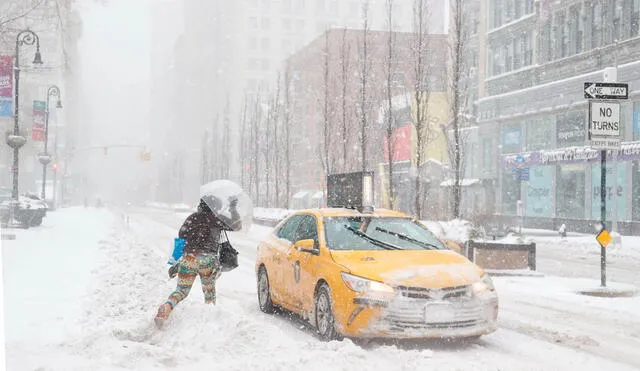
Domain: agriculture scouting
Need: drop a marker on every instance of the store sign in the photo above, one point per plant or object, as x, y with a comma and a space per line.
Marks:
511, 138
627, 152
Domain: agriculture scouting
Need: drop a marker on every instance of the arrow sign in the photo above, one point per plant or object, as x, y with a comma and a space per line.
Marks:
606, 90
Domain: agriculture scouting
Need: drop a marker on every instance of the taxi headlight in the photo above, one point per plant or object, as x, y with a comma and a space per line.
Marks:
363, 285
485, 284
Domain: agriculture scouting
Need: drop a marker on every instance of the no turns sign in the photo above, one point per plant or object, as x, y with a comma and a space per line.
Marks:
604, 119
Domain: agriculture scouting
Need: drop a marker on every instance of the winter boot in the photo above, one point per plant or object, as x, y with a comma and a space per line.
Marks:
163, 314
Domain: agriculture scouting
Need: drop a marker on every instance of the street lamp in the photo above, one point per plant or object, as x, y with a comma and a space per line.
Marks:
45, 158
15, 141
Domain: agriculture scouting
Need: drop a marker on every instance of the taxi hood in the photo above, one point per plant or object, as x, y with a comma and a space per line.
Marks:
414, 268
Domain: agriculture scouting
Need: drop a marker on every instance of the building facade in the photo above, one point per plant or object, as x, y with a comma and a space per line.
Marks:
343, 47
58, 27
533, 113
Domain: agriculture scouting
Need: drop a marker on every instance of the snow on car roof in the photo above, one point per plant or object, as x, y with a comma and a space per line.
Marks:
329, 212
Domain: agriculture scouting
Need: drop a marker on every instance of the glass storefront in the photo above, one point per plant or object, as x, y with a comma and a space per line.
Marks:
616, 184
539, 133
635, 190
510, 194
539, 202
570, 191
570, 129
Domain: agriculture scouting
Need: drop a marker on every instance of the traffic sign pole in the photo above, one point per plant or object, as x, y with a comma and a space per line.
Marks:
603, 215
604, 133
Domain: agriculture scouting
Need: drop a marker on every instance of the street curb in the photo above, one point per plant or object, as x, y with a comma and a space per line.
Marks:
506, 273
609, 292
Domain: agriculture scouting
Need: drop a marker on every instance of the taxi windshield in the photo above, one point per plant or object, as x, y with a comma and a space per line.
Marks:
378, 233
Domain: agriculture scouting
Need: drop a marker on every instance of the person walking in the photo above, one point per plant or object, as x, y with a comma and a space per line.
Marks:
201, 231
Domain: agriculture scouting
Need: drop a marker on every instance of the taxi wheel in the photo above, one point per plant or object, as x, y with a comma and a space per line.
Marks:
324, 318
264, 292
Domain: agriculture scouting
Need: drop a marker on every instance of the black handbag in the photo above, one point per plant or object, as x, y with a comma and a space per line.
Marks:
227, 255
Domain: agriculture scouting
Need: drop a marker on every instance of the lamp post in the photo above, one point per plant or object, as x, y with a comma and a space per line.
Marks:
15, 141
45, 158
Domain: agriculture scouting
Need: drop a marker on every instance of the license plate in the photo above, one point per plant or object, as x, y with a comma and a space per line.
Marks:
439, 313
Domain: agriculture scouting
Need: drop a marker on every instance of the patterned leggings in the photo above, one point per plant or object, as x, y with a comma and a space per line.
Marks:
192, 265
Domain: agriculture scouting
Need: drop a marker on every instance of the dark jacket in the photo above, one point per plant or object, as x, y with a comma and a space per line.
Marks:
202, 229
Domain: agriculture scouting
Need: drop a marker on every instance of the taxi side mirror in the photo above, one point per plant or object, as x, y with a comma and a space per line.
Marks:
308, 246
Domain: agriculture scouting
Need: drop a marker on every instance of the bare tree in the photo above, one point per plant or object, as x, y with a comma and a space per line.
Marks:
364, 74
326, 103
458, 93
277, 151
287, 121
345, 69
391, 61
243, 144
255, 147
226, 140
421, 94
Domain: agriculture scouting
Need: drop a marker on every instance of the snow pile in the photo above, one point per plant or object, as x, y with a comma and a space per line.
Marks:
456, 230
270, 213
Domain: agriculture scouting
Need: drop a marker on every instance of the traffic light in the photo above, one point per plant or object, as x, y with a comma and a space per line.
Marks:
105, 149
54, 167
145, 156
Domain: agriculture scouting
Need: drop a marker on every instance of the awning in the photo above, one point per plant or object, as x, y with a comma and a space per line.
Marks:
318, 195
463, 182
301, 194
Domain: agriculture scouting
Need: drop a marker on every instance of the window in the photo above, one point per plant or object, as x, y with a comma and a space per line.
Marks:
496, 13
487, 153
508, 52
286, 24
545, 42
299, 6
397, 80
266, 45
266, 23
574, 30
508, 11
373, 233
527, 50
253, 43
253, 64
635, 191
570, 129
596, 25
253, 22
307, 229
560, 39
510, 193
265, 64
528, 6
288, 229
570, 193
617, 22
299, 25
634, 14
517, 9
320, 6
287, 6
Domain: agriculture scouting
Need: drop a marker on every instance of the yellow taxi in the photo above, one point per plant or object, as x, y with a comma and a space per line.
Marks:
376, 274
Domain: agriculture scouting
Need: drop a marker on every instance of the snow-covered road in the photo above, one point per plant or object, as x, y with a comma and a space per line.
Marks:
97, 282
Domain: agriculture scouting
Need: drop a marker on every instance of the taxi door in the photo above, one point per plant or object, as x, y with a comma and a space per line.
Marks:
280, 247
303, 266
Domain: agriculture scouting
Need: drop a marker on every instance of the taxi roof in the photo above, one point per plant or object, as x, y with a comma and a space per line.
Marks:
329, 212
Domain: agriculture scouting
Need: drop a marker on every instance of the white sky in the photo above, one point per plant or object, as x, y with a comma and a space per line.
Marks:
114, 55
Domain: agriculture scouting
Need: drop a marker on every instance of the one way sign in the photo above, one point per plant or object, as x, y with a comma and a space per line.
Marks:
606, 90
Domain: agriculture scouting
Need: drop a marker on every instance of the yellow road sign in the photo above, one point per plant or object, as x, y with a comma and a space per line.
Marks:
604, 238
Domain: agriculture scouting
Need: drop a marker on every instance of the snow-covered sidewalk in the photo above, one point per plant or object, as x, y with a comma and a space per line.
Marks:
102, 312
